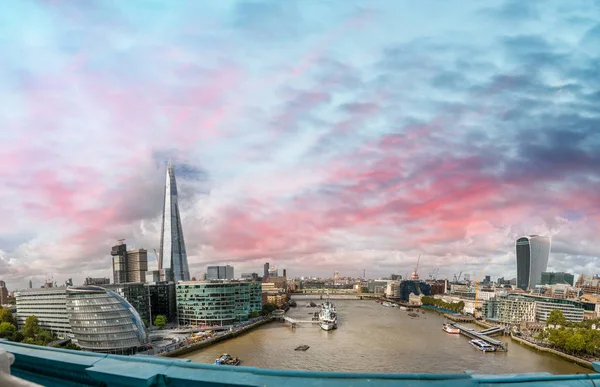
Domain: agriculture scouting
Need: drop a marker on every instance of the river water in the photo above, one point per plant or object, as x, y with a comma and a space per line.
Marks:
373, 338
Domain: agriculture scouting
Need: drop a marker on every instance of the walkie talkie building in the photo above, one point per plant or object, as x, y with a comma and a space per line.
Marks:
533, 252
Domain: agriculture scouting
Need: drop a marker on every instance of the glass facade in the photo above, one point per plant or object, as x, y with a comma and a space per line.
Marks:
416, 287
217, 303
551, 278
162, 300
48, 305
515, 308
136, 294
103, 321
219, 272
533, 252
172, 245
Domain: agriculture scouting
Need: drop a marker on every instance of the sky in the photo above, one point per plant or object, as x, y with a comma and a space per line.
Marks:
317, 135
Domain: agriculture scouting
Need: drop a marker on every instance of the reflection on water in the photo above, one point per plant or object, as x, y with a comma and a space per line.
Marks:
372, 338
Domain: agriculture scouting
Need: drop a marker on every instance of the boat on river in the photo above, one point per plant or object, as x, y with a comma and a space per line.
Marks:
450, 329
482, 345
328, 316
227, 359
302, 347
388, 304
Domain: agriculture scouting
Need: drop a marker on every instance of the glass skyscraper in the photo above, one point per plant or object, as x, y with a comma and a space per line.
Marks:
533, 252
172, 245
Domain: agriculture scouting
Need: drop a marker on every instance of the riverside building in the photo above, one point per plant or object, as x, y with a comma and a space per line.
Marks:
515, 308
92, 317
49, 305
217, 303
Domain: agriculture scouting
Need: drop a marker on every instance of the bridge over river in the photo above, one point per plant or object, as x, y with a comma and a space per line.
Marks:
34, 366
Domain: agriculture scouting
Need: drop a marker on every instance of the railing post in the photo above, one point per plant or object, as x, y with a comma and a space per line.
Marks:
6, 360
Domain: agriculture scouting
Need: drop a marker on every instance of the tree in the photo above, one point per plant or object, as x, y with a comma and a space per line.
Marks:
17, 337
31, 327
556, 318
7, 329
160, 321
28, 340
575, 343
43, 337
268, 309
6, 315
254, 314
559, 337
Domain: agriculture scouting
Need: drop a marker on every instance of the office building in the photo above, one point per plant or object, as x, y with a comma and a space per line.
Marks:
92, 317
516, 307
589, 284
415, 287
279, 282
216, 303
102, 321
250, 276
533, 252
219, 272
266, 270
273, 272
136, 294
96, 281
162, 301
160, 275
509, 311
48, 305
3, 293
129, 266
551, 278
137, 265
172, 244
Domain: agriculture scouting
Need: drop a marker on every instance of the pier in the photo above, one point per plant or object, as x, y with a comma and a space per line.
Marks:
484, 335
295, 322
459, 317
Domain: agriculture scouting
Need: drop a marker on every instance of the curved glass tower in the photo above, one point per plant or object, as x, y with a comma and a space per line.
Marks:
533, 252
103, 321
172, 245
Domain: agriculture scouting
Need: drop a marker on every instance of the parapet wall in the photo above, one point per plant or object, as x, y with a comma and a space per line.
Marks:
59, 367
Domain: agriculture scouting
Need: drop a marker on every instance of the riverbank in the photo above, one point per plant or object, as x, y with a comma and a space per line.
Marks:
574, 359
214, 340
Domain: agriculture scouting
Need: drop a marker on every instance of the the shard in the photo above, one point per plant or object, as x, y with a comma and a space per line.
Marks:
172, 246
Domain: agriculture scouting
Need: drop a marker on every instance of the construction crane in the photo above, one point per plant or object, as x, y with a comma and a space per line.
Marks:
456, 279
433, 274
415, 275
158, 260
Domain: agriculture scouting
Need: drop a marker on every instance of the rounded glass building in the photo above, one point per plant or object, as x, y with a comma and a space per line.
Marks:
103, 321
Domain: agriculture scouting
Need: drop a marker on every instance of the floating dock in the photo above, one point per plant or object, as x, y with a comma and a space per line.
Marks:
484, 335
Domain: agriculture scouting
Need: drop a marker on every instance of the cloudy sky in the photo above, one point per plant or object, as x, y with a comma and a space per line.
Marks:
318, 135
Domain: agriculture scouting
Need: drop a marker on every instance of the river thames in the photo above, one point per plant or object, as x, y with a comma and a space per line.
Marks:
373, 338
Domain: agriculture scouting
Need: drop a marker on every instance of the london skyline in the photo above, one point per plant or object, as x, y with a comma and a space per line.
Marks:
317, 136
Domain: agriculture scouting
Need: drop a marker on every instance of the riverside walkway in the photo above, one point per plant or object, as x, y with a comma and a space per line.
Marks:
52, 367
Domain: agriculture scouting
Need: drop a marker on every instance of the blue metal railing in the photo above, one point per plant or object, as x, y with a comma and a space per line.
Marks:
58, 367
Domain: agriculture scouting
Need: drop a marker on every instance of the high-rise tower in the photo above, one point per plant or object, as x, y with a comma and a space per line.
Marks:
172, 246
533, 252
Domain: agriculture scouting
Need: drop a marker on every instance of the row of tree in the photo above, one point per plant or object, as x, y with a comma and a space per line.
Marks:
31, 333
437, 302
578, 338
